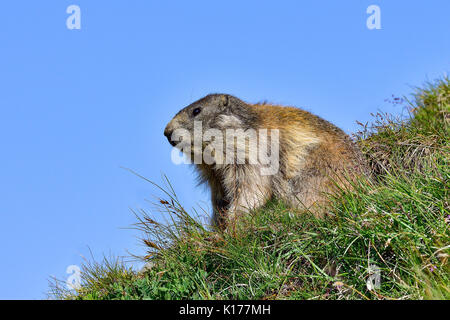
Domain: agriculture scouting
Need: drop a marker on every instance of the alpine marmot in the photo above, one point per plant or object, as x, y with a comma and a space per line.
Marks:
249, 153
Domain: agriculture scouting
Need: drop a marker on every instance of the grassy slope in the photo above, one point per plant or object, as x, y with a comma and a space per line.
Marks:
398, 221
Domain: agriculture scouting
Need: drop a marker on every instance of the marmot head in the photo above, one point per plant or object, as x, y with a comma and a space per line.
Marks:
215, 111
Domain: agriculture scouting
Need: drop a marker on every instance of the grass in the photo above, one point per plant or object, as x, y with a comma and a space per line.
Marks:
397, 223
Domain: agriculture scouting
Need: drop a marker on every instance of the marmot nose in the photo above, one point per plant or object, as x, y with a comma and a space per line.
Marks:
168, 134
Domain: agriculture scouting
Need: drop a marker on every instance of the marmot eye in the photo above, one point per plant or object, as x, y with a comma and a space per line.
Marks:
196, 111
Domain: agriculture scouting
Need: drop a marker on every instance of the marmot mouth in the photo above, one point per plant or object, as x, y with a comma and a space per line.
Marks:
173, 143
169, 138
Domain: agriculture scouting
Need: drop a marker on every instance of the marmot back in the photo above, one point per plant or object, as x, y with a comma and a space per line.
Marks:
249, 153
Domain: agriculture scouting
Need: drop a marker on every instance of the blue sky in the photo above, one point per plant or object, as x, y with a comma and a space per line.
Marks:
76, 105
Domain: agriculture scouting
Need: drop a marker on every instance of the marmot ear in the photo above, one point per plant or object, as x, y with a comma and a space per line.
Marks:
231, 104
224, 101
